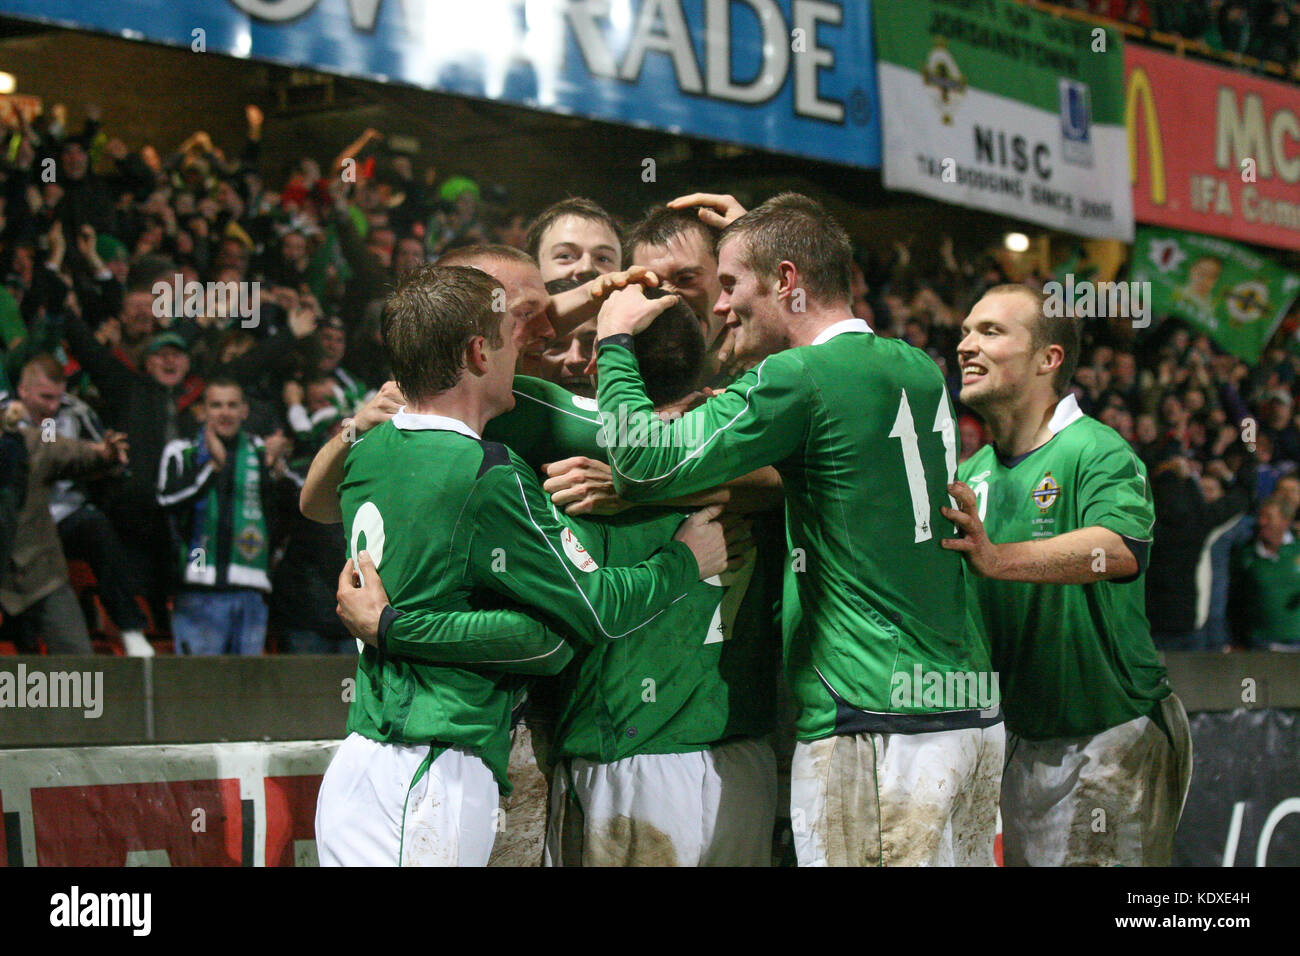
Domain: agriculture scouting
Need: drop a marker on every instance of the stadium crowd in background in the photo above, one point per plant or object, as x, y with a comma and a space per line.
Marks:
1268, 30
225, 398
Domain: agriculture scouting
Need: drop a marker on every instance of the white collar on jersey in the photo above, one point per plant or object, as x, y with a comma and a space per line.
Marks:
839, 328
1067, 413
1287, 538
412, 421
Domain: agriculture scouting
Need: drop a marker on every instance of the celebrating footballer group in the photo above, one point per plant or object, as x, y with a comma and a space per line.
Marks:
761, 503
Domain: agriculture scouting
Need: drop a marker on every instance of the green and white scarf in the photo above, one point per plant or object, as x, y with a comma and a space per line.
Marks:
249, 545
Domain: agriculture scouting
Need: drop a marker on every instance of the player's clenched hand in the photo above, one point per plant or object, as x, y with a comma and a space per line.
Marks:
716, 210
739, 532
383, 406
975, 544
702, 533
582, 486
629, 311
361, 604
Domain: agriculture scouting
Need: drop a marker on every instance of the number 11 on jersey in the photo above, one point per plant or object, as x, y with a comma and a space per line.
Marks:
905, 431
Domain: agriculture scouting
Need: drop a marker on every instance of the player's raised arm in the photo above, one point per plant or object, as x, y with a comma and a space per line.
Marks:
319, 499
518, 548
759, 420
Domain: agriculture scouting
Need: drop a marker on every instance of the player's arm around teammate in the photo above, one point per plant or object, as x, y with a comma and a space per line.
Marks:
1085, 556
861, 430
760, 419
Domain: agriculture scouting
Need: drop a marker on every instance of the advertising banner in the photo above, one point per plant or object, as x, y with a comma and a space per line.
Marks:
232, 804
1244, 806
254, 804
1000, 107
1213, 150
793, 76
1229, 291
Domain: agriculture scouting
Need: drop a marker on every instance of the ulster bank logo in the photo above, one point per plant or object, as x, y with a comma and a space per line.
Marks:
944, 79
1076, 123
1046, 492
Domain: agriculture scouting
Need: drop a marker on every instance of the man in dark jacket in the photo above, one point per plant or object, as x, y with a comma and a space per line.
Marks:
151, 407
1184, 522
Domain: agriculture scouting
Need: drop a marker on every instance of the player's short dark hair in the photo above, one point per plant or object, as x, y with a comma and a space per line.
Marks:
477, 252
792, 227
660, 225
1050, 330
429, 321
573, 206
670, 352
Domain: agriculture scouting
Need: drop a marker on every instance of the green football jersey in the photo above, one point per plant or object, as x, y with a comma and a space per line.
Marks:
1075, 659
456, 523
708, 674
547, 424
710, 658
1267, 592
861, 430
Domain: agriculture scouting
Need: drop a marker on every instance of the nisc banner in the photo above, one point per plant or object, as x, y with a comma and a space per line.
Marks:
1212, 150
1000, 107
794, 76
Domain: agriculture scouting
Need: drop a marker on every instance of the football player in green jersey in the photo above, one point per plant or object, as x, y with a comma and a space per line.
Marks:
1056, 516
544, 416
898, 755
455, 523
664, 756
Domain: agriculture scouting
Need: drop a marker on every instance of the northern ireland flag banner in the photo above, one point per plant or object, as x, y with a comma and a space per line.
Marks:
993, 105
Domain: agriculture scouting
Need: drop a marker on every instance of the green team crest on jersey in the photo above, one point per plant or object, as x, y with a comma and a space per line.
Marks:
1046, 492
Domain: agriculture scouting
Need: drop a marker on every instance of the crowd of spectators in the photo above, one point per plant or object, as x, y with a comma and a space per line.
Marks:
1268, 30
158, 426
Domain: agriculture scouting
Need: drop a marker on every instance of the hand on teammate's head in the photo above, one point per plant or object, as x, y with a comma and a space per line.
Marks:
600, 287
718, 210
628, 311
